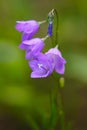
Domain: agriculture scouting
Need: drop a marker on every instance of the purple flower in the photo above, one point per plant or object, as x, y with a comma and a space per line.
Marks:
56, 59
41, 66
33, 47
28, 28
44, 64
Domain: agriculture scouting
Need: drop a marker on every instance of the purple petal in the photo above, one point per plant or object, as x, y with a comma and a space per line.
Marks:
31, 26
54, 51
34, 47
41, 67
27, 26
39, 74
58, 62
30, 55
38, 69
23, 46
60, 65
26, 36
33, 41
20, 25
33, 64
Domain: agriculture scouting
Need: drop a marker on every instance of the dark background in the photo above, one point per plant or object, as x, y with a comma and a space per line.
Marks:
20, 96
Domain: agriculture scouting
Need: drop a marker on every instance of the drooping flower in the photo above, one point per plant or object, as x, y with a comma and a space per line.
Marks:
33, 47
28, 28
41, 66
44, 64
58, 62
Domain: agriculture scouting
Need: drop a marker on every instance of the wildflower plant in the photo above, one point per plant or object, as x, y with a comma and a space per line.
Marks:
45, 64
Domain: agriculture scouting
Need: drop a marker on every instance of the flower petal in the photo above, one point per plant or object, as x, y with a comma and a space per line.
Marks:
26, 36
33, 64
27, 26
31, 26
54, 51
38, 74
20, 25
34, 47
41, 67
60, 65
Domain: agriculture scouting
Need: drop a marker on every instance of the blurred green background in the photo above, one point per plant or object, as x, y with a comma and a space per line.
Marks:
22, 97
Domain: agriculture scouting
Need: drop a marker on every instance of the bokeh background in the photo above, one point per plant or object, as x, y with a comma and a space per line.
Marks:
21, 98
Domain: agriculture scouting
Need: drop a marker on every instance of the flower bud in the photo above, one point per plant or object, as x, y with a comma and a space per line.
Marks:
61, 82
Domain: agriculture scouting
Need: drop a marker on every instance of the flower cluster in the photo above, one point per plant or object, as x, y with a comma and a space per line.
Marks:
42, 64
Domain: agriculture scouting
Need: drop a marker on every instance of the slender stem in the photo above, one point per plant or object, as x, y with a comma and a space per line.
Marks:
45, 38
52, 40
31, 121
57, 22
56, 97
41, 22
59, 104
61, 111
54, 109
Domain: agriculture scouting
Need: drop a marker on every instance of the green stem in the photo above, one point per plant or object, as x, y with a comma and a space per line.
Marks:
31, 122
59, 104
56, 97
57, 22
53, 110
61, 111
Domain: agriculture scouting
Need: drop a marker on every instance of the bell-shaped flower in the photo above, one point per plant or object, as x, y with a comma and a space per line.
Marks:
33, 47
41, 66
28, 28
56, 59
